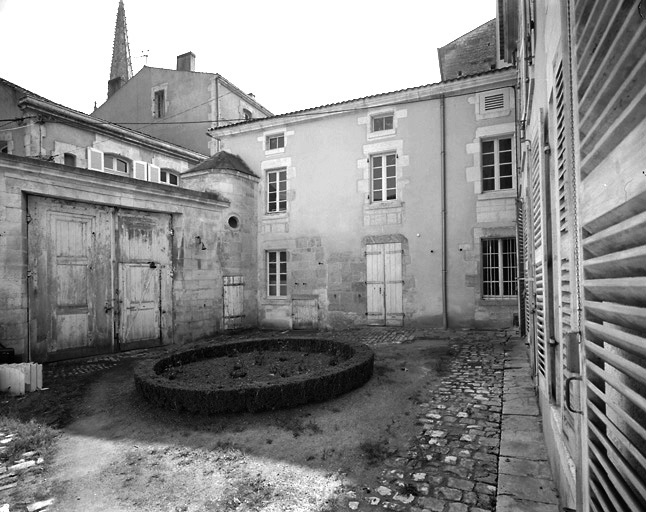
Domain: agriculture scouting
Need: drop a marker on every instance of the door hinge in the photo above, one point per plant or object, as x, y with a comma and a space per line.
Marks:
30, 274
171, 232
28, 218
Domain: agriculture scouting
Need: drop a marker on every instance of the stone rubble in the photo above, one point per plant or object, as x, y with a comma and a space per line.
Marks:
12, 474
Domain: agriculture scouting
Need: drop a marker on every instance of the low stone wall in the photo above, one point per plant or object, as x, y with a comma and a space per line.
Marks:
354, 370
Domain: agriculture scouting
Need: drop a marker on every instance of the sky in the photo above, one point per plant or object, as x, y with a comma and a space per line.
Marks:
290, 54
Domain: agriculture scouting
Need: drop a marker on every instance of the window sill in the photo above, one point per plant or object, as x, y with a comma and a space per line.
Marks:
275, 215
380, 205
498, 301
497, 194
277, 301
381, 133
277, 151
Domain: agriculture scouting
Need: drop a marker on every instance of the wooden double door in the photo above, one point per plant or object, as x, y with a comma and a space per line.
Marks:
384, 283
99, 278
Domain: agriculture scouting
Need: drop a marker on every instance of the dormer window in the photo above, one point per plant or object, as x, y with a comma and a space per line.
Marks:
248, 116
382, 122
168, 177
115, 164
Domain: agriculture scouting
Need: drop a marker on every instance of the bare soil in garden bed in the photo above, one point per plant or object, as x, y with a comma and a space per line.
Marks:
117, 452
259, 366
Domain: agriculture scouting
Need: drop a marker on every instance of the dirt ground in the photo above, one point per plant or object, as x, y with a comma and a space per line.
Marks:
118, 453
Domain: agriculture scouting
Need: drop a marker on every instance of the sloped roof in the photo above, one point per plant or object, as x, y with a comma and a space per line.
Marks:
31, 100
314, 110
224, 160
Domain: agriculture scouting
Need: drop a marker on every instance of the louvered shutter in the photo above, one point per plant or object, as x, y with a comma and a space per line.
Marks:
94, 159
140, 170
153, 173
539, 266
563, 193
611, 87
522, 286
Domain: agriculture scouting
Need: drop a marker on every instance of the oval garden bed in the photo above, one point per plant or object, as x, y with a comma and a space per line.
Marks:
254, 375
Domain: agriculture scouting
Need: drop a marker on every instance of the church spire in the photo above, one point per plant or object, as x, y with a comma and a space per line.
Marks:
121, 69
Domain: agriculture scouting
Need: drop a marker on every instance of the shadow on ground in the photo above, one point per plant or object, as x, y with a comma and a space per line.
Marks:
117, 452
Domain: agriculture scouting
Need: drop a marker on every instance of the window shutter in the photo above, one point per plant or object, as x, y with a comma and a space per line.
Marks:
94, 159
140, 170
153, 173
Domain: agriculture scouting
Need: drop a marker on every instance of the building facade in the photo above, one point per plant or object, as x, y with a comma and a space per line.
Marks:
103, 247
582, 111
396, 209
179, 105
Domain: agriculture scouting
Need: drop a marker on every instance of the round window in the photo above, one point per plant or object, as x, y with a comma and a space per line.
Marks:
234, 222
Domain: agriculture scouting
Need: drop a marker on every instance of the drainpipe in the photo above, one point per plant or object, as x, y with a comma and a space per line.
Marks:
445, 315
217, 109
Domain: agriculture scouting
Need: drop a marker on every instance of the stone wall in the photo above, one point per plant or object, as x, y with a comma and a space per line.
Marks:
196, 276
472, 53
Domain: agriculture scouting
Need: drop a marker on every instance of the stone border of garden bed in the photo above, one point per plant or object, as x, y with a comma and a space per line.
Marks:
353, 370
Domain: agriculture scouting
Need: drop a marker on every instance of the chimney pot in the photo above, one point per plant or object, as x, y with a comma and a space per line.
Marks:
186, 62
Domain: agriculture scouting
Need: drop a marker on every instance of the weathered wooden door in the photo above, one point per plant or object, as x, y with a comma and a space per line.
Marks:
143, 248
305, 312
233, 299
70, 285
384, 284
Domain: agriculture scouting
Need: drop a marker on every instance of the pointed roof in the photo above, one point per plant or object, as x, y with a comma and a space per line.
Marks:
223, 160
121, 63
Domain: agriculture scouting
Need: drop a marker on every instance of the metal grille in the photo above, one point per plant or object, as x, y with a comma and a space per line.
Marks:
499, 267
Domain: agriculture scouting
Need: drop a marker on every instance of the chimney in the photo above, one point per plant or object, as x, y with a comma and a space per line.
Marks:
186, 62
114, 85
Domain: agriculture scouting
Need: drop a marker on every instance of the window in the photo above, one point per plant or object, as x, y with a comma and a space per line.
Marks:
497, 171
499, 267
277, 191
4, 146
168, 177
277, 273
382, 122
247, 114
69, 159
114, 163
384, 177
159, 103
275, 141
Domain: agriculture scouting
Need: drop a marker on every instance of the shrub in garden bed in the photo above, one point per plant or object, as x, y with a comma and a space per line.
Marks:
295, 372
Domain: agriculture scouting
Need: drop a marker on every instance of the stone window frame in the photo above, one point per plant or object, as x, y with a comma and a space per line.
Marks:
396, 114
170, 173
473, 174
268, 137
383, 178
483, 107
116, 157
279, 286
495, 261
156, 92
497, 164
268, 202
